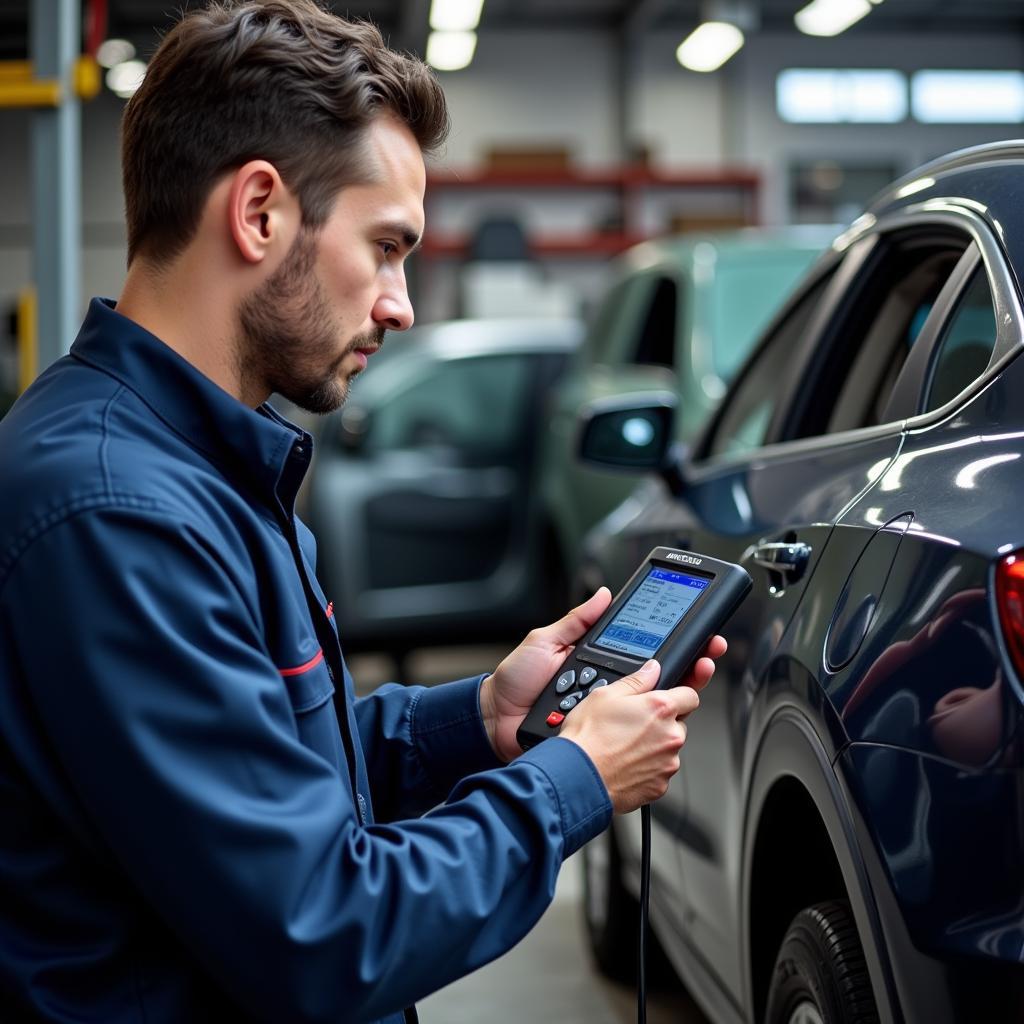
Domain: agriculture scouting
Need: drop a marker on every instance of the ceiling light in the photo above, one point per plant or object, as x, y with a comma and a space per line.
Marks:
455, 15
114, 51
125, 78
450, 51
830, 17
709, 46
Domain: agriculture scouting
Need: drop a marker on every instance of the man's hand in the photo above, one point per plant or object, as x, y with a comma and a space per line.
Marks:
633, 733
508, 694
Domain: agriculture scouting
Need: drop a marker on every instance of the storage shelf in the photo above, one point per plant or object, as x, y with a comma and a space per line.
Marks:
610, 244
623, 177
629, 186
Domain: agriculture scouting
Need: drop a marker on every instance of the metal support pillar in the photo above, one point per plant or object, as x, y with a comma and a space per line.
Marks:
56, 179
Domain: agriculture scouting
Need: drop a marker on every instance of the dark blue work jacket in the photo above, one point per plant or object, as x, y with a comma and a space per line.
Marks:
181, 838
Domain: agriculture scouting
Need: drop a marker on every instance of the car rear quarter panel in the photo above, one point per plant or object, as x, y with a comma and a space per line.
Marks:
932, 707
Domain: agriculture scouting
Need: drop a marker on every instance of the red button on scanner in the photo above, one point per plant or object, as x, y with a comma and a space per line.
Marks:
555, 718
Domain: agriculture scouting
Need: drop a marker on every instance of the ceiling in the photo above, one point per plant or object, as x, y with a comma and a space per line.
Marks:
405, 21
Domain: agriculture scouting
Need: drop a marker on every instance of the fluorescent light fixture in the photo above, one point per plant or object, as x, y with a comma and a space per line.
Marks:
125, 78
832, 96
455, 15
968, 97
450, 51
114, 51
830, 17
709, 46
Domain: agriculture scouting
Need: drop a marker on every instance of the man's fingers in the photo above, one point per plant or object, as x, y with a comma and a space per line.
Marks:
643, 679
717, 646
568, 629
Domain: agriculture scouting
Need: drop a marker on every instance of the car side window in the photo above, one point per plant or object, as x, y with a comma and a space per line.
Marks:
473, 404
852, 376
655, 344
966, 345
748, 409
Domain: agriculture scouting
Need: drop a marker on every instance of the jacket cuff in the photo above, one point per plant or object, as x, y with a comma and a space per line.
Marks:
583, 802
448, 731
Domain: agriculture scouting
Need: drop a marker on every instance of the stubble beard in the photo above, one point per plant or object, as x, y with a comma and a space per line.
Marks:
288, 337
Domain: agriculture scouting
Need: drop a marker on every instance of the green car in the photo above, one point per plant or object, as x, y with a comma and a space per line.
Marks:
681, 316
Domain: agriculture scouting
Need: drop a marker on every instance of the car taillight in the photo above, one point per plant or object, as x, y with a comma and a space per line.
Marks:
1010, 598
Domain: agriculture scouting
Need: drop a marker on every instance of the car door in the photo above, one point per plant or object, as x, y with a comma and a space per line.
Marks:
630, 348
797, 440
435, 499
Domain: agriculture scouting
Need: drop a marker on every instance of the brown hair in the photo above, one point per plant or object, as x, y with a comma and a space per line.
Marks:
278, 80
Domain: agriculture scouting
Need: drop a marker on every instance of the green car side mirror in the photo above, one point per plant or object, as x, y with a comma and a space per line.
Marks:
629, 432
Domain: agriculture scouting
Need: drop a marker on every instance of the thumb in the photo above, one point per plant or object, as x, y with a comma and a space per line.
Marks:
568, 629
643, 679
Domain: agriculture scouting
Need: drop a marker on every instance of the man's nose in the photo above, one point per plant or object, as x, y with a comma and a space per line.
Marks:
393, 309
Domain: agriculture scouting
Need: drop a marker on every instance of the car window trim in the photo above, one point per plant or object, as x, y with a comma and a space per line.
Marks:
789, 406
793, 407
1007, 308
907, 393
1009, 318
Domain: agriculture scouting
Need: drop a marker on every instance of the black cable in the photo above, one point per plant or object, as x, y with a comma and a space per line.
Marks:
645, 896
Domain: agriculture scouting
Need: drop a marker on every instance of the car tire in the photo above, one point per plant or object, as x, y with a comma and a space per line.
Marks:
820, 974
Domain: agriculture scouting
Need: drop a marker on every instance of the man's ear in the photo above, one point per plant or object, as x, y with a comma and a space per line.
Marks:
263, 215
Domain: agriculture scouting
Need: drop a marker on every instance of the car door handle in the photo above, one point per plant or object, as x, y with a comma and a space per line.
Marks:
790, 559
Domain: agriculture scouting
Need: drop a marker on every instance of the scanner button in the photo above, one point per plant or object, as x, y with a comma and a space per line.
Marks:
565, 681
568, 703
587, 676
555, 718
601, 682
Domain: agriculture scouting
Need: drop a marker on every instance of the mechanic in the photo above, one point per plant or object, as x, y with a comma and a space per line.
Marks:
200, 822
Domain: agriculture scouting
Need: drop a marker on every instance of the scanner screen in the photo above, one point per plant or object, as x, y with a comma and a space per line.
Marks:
652, 612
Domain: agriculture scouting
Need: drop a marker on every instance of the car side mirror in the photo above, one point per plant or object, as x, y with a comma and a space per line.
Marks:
629, 432
353, 427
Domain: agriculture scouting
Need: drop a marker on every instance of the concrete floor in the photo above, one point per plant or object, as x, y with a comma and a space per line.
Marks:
549, 975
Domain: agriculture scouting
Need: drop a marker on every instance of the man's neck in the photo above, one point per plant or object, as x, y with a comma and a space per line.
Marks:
190, 314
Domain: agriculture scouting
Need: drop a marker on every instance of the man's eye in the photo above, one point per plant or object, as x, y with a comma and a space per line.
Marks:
388, 248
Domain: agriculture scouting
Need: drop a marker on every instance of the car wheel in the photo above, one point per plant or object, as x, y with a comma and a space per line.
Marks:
820, 975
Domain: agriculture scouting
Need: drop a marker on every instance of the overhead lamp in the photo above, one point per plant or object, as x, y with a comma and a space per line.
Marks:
114, 51
126, 77
709, 46
455, 15
450, 51
830, 17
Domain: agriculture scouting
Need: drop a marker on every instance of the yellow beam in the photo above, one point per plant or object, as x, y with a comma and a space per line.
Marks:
19, 89
28, 341
30, 94
88, 78
15, 70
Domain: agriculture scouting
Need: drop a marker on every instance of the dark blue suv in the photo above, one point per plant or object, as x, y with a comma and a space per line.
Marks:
845, 841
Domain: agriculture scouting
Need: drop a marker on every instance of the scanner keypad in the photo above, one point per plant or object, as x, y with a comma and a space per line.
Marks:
571, 687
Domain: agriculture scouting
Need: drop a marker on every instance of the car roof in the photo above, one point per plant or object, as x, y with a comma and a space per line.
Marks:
982, 181
681, 250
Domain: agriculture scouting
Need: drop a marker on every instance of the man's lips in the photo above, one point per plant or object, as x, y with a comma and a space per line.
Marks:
363, 353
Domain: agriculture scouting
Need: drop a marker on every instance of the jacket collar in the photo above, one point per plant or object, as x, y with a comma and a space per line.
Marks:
256, 446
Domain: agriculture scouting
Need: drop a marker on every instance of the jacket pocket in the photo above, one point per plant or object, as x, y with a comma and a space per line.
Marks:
309, 685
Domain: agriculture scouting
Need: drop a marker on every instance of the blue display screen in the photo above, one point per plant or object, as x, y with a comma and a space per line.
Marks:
652, 612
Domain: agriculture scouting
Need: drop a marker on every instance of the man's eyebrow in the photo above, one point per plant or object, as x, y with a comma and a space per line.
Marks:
410, 238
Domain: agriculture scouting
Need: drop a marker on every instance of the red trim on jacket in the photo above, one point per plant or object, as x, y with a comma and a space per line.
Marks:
312, 663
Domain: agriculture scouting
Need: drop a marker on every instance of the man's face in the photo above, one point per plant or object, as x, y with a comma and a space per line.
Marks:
312, 325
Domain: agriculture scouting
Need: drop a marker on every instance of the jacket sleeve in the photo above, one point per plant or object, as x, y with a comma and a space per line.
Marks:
168, 716
419, 741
